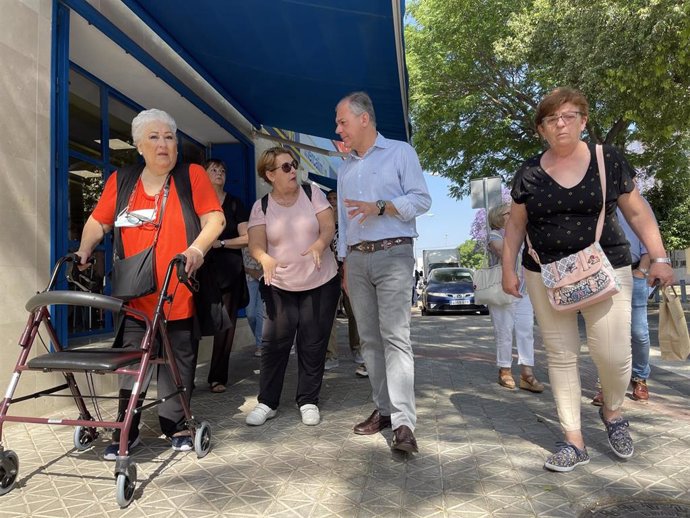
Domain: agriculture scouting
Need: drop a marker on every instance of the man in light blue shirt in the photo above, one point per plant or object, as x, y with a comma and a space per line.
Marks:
381, 190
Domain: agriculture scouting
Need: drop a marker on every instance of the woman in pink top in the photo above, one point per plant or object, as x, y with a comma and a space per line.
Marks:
290, 232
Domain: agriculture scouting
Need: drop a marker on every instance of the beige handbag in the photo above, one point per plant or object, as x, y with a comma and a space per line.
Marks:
673, 328
488, 288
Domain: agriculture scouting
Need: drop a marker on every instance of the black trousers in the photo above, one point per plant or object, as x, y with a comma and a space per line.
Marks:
185, 349
308, 316
222, 342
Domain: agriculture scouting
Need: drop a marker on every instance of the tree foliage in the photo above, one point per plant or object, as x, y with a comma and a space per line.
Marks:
470, 254
479, 67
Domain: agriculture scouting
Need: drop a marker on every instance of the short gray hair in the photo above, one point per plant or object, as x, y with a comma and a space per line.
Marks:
360, 102
147, 117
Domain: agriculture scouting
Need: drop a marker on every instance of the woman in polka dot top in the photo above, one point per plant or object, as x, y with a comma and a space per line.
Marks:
557, 199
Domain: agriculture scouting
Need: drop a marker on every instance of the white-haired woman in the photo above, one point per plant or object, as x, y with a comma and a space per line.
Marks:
154, 135
516, 318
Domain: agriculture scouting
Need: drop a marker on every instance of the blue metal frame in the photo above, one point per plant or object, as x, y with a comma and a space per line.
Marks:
59, 112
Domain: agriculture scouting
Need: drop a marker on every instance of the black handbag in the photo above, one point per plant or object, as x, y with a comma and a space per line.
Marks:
135, 276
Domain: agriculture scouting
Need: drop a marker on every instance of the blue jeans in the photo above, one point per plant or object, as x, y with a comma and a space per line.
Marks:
255, 310
379, 284
640, 330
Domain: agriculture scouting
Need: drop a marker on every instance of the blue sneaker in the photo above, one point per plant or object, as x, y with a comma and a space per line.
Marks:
565, 459
182, 443
619, 438
110, 452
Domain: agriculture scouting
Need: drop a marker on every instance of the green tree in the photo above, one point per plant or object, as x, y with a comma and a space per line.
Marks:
470, 254
478, 68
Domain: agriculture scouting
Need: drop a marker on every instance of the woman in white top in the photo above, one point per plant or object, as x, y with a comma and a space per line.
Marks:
514, 318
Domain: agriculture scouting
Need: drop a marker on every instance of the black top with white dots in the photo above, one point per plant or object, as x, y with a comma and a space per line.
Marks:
562, 221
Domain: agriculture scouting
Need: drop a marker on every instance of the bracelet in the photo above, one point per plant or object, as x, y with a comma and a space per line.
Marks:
665, 260
643, 271
197, 249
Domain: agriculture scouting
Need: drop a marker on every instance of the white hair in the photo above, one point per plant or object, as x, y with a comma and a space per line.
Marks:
147, 117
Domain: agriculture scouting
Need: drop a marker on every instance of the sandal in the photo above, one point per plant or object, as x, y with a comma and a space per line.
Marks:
217, 387
505, 378
531, 383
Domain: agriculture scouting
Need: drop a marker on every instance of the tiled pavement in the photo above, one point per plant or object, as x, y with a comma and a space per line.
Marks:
481, 448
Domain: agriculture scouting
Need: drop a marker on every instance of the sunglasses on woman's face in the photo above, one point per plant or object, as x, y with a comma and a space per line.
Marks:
287, 166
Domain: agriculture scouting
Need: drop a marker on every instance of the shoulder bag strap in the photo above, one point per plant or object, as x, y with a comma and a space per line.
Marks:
127, 178
183, 185
307, 190
602, 178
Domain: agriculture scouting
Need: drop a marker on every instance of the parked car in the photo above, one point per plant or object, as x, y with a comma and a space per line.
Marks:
450, 289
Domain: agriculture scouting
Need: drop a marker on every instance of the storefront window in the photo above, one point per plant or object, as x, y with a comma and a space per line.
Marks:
189, 151
85, 187
84, 115
121, 148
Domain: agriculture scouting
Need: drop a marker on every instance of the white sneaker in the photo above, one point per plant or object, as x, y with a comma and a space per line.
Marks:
361, 371
358, 358
331, 363
260, 414
257, 352
310, 414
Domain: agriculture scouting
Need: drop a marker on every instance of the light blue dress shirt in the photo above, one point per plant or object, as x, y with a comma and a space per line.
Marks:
637, 249
389, 171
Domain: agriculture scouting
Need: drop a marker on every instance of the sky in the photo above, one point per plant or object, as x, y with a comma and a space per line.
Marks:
448, 221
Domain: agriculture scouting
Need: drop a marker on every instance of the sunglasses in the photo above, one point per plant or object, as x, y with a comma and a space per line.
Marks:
287, 166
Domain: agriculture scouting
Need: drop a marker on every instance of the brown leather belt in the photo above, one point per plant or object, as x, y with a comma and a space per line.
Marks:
369, 247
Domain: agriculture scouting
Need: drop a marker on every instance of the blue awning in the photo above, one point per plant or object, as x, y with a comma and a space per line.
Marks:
286, 63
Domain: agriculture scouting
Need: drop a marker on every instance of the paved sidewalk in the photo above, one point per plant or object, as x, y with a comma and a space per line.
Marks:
481, 449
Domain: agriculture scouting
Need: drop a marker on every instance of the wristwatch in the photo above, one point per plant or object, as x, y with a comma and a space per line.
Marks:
665, 260
643, 271
222, 243
381, 205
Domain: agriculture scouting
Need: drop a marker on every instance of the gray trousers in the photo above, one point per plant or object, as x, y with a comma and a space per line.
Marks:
379, 284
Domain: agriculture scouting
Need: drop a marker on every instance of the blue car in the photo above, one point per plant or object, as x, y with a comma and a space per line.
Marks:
450, 289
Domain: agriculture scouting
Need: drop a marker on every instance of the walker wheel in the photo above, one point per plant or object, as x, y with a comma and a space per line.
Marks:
125, 485
84, 437
9, 468
202, 439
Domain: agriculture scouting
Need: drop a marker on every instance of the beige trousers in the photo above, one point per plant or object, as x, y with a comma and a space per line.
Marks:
608, 338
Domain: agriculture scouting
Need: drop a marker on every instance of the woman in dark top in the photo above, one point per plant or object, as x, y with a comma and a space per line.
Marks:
227, 257
557, 199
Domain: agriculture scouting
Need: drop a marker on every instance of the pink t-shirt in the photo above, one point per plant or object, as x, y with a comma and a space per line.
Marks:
291, 231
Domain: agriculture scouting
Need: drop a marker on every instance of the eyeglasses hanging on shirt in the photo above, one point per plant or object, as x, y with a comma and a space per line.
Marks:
142, 217
136, 218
